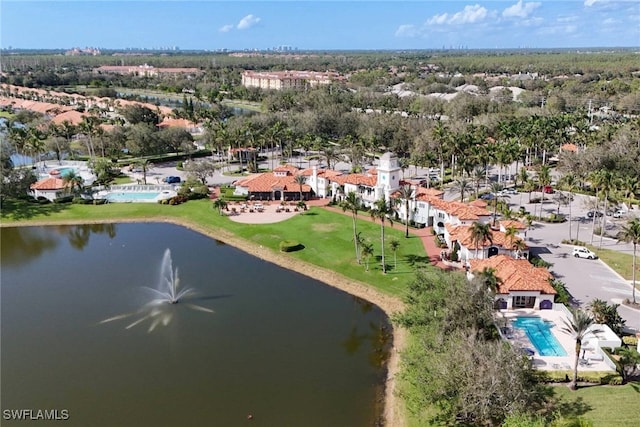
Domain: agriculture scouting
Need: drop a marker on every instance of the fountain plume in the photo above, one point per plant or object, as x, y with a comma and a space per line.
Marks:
158, 310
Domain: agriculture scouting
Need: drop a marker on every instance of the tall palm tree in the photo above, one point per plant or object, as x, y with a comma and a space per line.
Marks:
300, 180
631, 233
380, 211
578, 327
394, 244
351, 203
569, 182
607, 184
596, 180
405, 194
480, 234
462, 185
496, 190
544, 179
145, 165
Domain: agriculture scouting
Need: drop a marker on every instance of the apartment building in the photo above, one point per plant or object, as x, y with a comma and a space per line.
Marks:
280, 80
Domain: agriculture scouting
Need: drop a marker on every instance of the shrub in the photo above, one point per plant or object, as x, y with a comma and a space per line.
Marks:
43, 200
100, 201
64, 199
290, 246
563, 296
630, 340
539, 262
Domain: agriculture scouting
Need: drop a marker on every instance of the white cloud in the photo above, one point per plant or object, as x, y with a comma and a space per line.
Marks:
469, 15
226, 28
590, 2
407, 30
248, 22
520, 9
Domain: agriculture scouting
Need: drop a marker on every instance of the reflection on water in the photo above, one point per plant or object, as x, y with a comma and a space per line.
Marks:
162, 306
280, 346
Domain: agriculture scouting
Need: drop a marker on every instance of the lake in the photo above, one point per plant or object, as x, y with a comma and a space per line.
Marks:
278, 347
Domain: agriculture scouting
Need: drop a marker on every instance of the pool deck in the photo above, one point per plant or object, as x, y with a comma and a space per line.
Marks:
553, 363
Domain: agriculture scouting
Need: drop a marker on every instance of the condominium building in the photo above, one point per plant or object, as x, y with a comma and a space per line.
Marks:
144, 70
280, 80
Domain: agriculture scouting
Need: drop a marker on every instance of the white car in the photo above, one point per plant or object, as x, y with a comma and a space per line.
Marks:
619, 213
582, 252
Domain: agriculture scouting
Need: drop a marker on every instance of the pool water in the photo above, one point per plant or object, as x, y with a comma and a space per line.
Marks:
539, 333
146, 196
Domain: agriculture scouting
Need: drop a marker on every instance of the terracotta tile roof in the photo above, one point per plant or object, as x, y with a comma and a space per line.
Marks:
462, 211
569, 147
287, 168
326, 173
516, 274
267, 182
479, 203
462, 233
178, 123
73, 117
50, 183
356, 179
510, 223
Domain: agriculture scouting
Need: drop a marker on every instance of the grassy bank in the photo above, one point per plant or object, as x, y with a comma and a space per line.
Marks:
622, 263
604, 405
326, 236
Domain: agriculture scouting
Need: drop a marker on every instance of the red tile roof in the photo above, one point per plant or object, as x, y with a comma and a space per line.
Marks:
356, 179
462, 233
179, 123
515, 224
73, 117
569, 147
516, 274
267, 182
50, 183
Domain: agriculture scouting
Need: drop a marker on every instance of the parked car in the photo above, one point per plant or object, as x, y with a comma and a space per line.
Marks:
172, 179
547, 189
619, 213
582, 252
487, 196
590, 214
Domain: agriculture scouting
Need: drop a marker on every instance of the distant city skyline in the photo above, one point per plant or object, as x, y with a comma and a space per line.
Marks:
319, 25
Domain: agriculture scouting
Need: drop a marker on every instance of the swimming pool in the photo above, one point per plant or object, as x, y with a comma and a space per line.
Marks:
539, 333
147, 196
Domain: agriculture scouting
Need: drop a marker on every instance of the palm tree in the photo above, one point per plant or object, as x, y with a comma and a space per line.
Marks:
72, 180
462, 185
631, 233
518, 246
380, 211
394, 244
544, 179
145, 165
607, 184
220, 204
578, 329
510, 234
496, 190
367, 251
405, 194
352, 204
480, 233
300, 180
570, 181
488, 278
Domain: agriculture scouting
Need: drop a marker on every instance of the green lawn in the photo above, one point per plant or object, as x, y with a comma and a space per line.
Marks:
326, 236
6, 114
604, 405
622, 263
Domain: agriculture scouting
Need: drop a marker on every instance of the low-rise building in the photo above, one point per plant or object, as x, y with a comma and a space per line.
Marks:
520, 284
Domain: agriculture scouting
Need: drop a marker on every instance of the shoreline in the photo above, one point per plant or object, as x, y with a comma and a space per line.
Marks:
392, 413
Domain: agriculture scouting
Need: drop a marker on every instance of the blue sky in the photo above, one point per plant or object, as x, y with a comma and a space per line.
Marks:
308, 24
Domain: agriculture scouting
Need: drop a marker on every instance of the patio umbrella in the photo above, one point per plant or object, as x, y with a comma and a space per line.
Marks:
54, 172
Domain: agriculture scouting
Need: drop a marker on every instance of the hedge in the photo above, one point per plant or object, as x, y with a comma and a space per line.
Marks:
290, 246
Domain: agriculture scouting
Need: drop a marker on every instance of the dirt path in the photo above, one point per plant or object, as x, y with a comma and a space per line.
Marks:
393, 412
